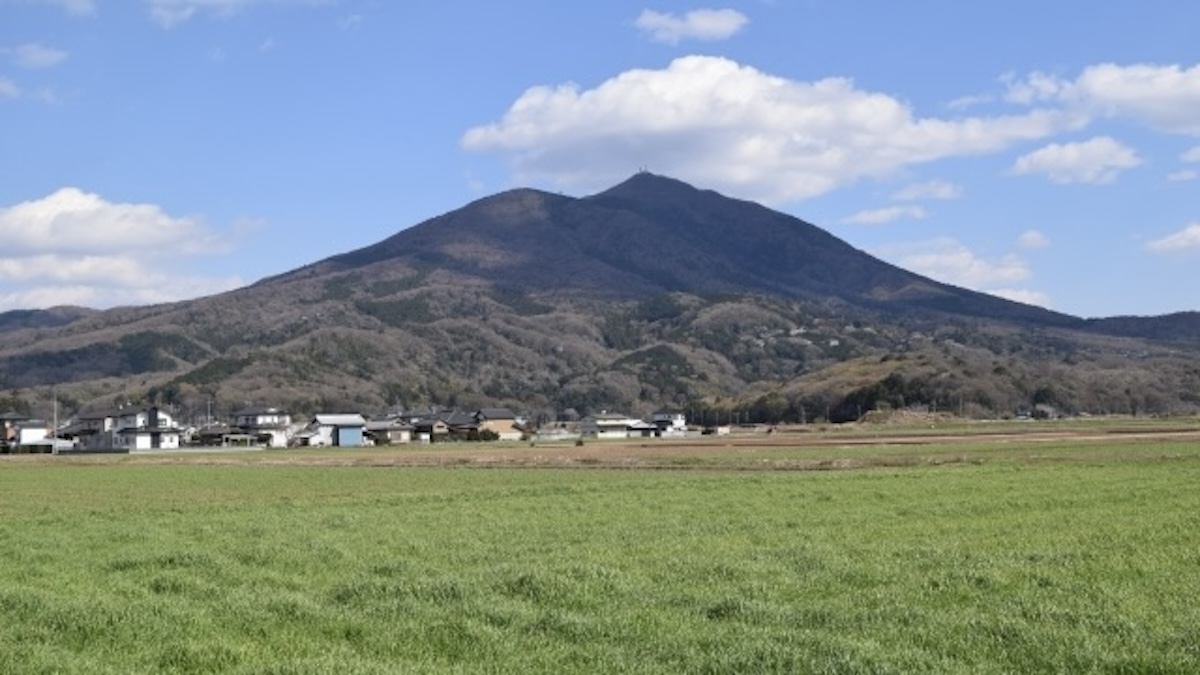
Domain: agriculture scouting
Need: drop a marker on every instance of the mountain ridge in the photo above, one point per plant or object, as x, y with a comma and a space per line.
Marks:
649, 293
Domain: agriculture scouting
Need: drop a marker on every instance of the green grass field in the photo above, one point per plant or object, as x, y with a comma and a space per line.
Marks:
1071, 556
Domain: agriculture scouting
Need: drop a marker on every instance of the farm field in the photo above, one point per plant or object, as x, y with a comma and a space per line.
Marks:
1009, 549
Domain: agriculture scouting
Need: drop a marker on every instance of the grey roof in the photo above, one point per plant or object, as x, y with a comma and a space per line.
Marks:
389, 425
496, 414
341, 420
460, 419
102, 413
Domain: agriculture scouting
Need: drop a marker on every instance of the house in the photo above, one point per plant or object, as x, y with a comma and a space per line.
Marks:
338, 430
669, 422
609, 425
12, 421
500, 421
124, 429
27, 433
145, 429
640, 429
389, 431
461, 424
94, 429
430, 428
269, 426
558, 431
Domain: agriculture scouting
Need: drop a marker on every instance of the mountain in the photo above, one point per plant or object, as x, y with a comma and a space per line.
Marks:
653, 235
652, 293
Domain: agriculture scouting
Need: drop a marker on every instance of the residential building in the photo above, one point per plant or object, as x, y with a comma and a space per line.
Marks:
609, 425
337, 430
389, 431
500, 421
669, 422
270, 427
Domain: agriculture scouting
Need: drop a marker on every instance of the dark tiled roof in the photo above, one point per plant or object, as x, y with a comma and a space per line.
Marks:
260, 410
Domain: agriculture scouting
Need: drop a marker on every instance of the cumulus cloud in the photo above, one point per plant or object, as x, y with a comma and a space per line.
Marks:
1166, 97
1033, 239
1022, 295
1183, 175
1095, 161
73, 247
949, 261
700, 24
8, 88
885, 215
1192, 155
934, 189
712, 121
35, 55
1187, 239
170, 13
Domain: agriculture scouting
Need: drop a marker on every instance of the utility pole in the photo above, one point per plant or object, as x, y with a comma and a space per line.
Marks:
54, 429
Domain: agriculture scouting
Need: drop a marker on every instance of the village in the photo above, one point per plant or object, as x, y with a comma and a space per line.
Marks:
152, 429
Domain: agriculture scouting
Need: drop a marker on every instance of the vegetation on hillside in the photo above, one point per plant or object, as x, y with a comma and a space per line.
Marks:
649, 295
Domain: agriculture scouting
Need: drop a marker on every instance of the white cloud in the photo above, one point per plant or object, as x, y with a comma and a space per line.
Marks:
714, 122
1094, 161
1187, 239
34, 55
1023, 295
71, 218
964, 102
700, 24
1033, 239
350, 22
1182, 176
1036, 88
1164, 97
8, 88
170, 13
885, 215
73, 247
1192, 155
949, 261
934, 189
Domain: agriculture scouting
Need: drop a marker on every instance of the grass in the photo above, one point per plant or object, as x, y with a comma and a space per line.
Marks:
1065, 557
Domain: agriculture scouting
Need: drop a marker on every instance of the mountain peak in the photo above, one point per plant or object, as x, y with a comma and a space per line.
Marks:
645, 184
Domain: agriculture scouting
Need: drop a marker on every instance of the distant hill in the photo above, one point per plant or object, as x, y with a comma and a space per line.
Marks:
41, 318
1181, 326
648, 294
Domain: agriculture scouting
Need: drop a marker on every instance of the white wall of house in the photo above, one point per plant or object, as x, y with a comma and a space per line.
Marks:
278, 437
142, 439
30, 434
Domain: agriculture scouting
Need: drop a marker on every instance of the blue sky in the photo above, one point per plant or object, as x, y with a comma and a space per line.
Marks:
156, 150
